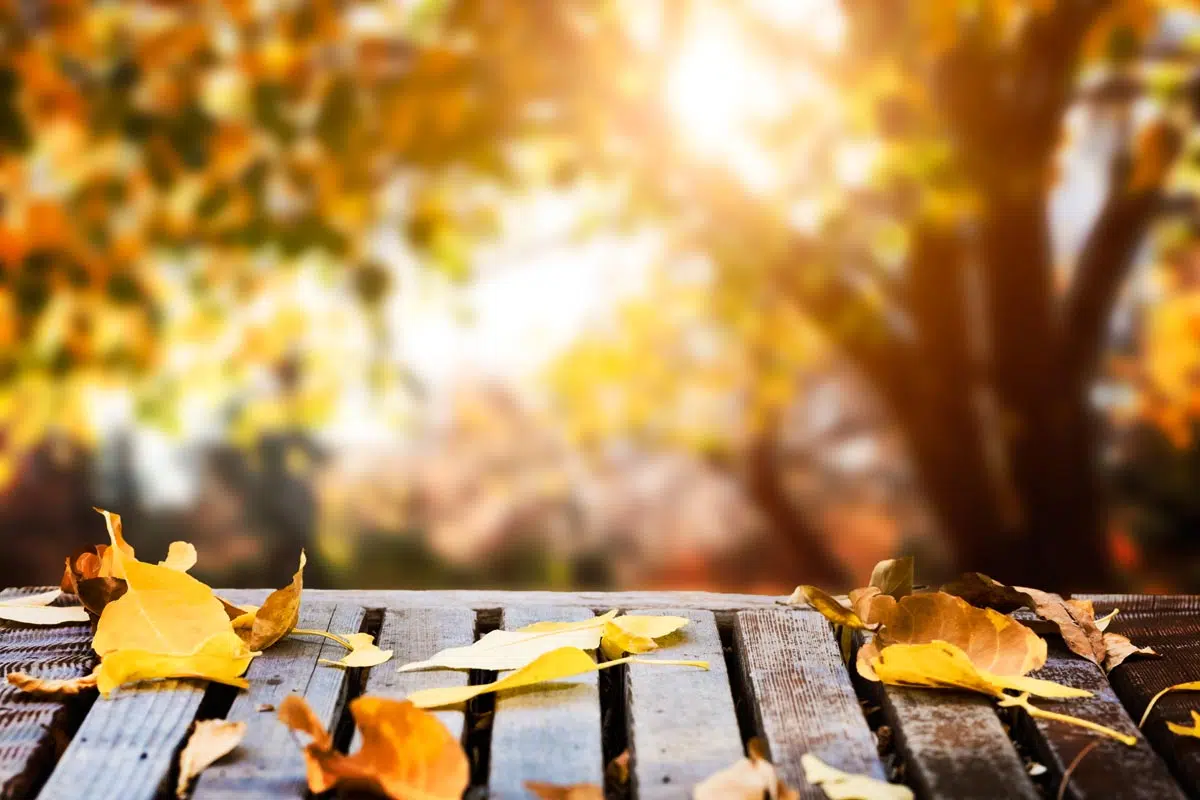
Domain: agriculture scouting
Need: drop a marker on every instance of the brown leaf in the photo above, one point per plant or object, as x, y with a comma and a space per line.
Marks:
982, 592
406, 752
1118, 648
616, 773
211, 740
1076, 622
49, 687
751, 778
279, 615
97, 593
829, 607
893, 576
578, 791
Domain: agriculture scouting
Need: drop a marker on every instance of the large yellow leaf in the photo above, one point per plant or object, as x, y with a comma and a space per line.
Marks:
943, 665
222, 658
406, 754
839, 785
279, 615
565, 662
35, 609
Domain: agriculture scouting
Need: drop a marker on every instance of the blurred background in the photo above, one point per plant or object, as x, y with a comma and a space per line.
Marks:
712, 294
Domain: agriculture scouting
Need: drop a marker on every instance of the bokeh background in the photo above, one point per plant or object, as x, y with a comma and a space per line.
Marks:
707, 294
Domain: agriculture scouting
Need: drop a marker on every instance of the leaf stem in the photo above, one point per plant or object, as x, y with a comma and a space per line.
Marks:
1022, 701
333, 637
662, 661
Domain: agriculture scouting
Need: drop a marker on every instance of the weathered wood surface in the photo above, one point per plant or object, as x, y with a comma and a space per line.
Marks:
34, 731
1107, 770
602, 601
268, 763
682, 726
415, 634
954, 745
803, 697
548, 733
125, 749
1175, 635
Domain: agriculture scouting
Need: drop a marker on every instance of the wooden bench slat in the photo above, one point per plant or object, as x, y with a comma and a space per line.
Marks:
1177, 638
126, 746
268, 763
1159, 604
491, 599
954, 745
546, 733
1111, 770
803, 699
414, 634
682, 723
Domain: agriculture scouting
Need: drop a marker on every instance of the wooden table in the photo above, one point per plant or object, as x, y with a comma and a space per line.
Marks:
776, 673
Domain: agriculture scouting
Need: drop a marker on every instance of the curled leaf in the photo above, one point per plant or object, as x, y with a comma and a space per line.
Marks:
578, 791
565, 662
944, 665
831, 609
893, 577
222, 658
982, 592
278, 616
35, 609
97, 593
211, 740
364, 653
50, 687
1192, 730
406, 753
1187, 686
1117, 648
118, 551
839, 785
181, 557
636, 633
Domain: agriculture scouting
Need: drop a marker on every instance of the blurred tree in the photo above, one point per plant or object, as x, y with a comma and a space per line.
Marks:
878, 175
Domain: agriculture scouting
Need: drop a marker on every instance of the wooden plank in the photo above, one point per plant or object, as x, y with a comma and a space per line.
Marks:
1176, 636
682, 723
803, 699
269, 763
953, 745
126, 747
34, 731
1111, 770
546, 733
1162, 604
414, 634
483, 600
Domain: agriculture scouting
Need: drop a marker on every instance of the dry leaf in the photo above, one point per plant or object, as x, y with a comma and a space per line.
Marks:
1188, 686
552, 791
750, 778
1076, 621
831, 609
982, 592
119, 550
944, 665
51, 687
893, 576
1103, 622
406, 753
35, 609
211, 740
363, 653
1117, 648
565, 662
97, 593
501, 650
1192, 730
181, 557
262, 707
222, 658
83, 566
993, 642
839, 785
278, 616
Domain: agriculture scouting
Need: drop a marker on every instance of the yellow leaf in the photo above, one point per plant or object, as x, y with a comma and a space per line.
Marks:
181, 557
212, 740
222, 658
829, 607
893, 577
111, 558
649, 626
363, 653
245, 620
943, 665
590, 623
839, 785
500, 650
565, 662
48, 687
578, 791
1192, 730
35, 609
1188, 686
616, 641
1103, 622
279, 615
406, 754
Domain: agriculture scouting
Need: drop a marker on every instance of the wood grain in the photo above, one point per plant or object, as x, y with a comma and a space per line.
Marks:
803, 699
954, 745
1111, 770
415, 634
549, 732
269, 763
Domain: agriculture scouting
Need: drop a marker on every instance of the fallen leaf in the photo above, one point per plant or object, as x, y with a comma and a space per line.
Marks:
1076, 622
982, 592
1187, 686
262, 707
119, 550
211, 740
553, 791
51, 687
97, 593
591, 623
750, 778
944, 665
1192, 730
83, 566
1117, 648
501, 650
893, 576
636, 633
237, 612
831, 609
406, 754
364, 653
839, 785
1103, 622
616, 772
278, 616
565, 662
35, 609
181, 557
222, 658
992, 641
616, 642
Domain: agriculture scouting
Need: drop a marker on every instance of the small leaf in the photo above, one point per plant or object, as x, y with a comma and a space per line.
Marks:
363, 653
1192, 730
1103, 622
1187, 686
1117, 648
49, 687
750, 778
831, 609
211, 740
406, 753
578, 791
839, 785
222, 658
893, 576
34, 609
501, 650
565, 662
279, 615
